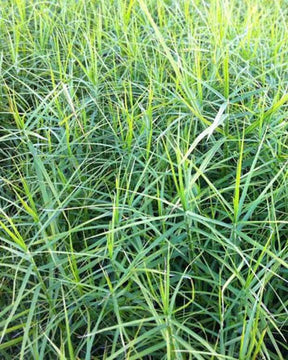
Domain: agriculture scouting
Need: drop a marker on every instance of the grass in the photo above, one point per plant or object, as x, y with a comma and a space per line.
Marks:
143, 179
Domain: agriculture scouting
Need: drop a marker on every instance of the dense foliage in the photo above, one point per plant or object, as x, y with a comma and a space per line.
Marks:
143, 179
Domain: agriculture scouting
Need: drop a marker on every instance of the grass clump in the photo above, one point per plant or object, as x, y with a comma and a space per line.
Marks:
143, 181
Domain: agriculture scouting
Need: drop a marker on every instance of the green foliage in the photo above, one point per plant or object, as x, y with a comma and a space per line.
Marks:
143, 179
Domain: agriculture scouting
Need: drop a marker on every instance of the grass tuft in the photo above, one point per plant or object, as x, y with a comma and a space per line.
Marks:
143, 179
